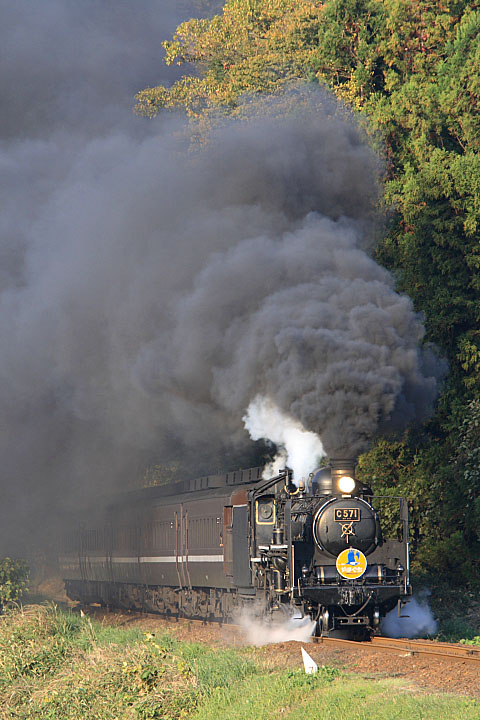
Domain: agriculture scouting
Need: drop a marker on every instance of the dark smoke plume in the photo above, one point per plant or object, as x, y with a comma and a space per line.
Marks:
149, 293
68, 74
289, 305
70, 66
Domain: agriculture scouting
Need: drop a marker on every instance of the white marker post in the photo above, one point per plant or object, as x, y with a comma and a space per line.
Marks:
310, 665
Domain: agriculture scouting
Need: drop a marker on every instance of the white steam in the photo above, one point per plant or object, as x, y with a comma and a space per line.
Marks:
416, 621
260, 631
298, 448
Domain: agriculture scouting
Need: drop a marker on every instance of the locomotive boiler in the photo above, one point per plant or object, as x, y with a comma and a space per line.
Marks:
210, 546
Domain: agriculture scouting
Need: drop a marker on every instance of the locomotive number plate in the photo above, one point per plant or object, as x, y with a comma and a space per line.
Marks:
347, 514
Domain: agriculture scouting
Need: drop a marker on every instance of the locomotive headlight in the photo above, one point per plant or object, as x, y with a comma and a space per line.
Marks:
346, 484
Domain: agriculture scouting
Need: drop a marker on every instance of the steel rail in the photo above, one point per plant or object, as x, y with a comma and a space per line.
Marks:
433, 650
428, 645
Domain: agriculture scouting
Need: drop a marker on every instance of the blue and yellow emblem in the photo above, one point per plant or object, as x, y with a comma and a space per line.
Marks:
351, 563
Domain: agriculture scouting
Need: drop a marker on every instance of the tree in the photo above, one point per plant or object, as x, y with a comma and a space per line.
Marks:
254, 46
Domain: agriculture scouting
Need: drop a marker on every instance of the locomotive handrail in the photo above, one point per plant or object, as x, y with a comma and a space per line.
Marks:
290, 550
268, 483
186, 550
182, 547
404, 518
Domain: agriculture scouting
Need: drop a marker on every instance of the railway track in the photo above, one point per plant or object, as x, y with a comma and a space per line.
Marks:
426, 649
423, 648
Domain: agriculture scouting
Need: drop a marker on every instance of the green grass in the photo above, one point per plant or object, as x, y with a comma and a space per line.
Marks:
296, 696
55, 665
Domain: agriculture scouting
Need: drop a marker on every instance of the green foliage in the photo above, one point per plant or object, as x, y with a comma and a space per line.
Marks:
467, 464
253, 46
55, 664
443, 497
164, 474
468, 448
474, 641
456, 630
13, 580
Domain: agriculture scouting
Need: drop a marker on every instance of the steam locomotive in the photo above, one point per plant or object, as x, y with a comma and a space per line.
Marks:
207, 547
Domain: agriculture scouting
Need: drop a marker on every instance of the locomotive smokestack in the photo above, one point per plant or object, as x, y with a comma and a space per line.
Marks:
342, 467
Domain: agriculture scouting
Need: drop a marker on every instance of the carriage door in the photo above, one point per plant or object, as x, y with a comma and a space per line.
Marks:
241, 547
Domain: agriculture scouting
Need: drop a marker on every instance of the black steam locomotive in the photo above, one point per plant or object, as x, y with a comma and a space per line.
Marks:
206, 547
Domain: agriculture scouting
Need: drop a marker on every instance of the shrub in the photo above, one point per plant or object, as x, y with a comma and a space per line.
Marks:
13, 580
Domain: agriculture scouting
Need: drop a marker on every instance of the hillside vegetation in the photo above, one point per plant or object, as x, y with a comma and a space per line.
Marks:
411, 69
61, 666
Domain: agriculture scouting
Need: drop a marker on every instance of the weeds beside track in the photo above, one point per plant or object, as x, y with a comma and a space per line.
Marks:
56, 665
